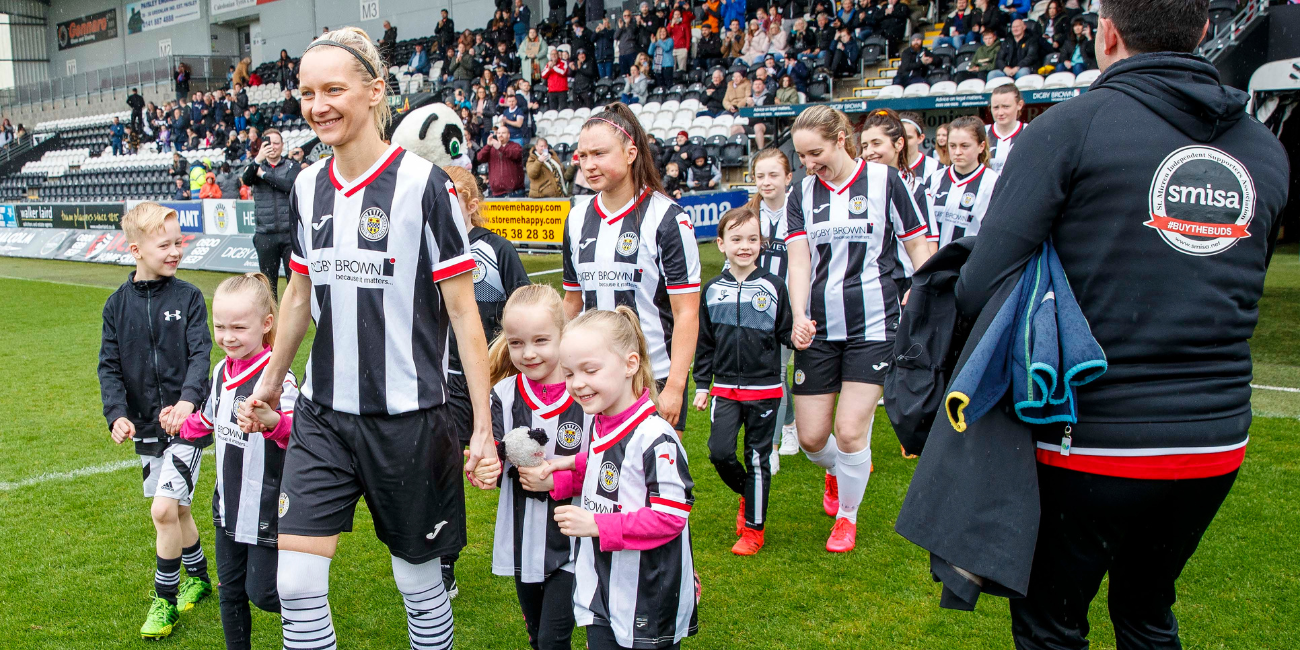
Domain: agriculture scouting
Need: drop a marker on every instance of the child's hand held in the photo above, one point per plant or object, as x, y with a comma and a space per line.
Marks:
576, 522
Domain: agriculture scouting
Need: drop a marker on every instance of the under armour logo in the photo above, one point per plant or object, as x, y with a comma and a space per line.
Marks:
172, 315
321, 224
436, 529
585, 243
880, 365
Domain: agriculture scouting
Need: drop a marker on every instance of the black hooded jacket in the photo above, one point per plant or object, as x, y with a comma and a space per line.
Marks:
155, 352
1123, 178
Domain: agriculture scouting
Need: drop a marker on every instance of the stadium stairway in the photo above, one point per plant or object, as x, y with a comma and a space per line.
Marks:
877, 77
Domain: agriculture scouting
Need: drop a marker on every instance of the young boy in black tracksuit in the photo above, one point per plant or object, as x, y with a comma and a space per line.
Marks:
153, 373
745, 318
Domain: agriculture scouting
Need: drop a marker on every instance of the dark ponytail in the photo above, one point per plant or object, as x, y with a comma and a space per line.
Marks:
620, 119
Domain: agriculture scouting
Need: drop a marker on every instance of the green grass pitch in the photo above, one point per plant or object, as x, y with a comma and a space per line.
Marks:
76, 551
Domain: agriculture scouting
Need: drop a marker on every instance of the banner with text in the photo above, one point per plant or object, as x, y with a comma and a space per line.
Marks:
94, 28
93, 216
190, 213
707, 208
224, 6
527, 221
157, 14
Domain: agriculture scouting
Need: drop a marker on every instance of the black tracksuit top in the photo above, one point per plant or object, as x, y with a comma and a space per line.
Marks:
742, 328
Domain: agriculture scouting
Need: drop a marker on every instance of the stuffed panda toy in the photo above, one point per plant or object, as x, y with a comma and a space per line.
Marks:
525, 447
433, 131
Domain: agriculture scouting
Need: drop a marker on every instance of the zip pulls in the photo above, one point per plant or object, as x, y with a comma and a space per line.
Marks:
153, 344
1066, 440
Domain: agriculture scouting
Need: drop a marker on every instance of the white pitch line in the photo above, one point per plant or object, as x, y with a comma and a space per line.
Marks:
533, 275
1281, 388
48, 477
68, 284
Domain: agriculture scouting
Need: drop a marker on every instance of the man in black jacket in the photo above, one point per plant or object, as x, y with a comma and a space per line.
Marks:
708, 49
136, 102
1019, 55
271, 179
915, 64
1162, 198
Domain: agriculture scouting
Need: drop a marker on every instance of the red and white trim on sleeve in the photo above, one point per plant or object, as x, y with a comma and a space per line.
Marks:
453, 267
544, 411
572, 286
749, 394
600, 443
693, 287
298, 265
796, 236
668, 506
1161, 464
914, 233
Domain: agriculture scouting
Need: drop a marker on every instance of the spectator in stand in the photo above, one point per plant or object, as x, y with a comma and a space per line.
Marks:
192, 141
767, 75
733, 10
990, 17
761, 94
579, 39
625, 35
419, 61
182, 78
254, 144
556, 75
1016, 8
520, 20
116, 133
714, 92
515, 118
708, 49
198, 174
637, 86
739, 93
256, 118
679, 151
915, 64
603, 39
290, 109
582, 76
463, 69
893, 22
388, 43
228, 181
164, 141
241, 121
1054, 21
844, 58
136, 104
255, 79
535, 55
282, 67
756, 43
712, 15
787, 93
297, 155
132, 141
545, 173
701, 176
674, 184
985, 59
271, 178
210, 189
241, 97
1077, 52
180, 167
661, 50
1019, 56
778, 40
958, 27
505, 164
797, 72
733, 43
444, 33
863, 20
679, 28
241, 75
802, 41
825, 34
182, 192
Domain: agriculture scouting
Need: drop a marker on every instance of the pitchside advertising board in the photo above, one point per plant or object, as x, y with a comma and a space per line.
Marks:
89, 216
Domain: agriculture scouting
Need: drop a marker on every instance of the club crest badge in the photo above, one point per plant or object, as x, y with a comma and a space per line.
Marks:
1202, 201
608, 477
480, 271
967, 200
284, 504
627, 243
798, 377
858, 204
373, 224
761, 301
569, 435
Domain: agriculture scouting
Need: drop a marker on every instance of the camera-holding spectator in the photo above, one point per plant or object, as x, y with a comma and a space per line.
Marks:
1077, 50
1019, 56
463, 69
505, 164
915, 64
701, 176
271, 178
182, 192
297, 155
116, 133
582, 79
546, 174
844, 58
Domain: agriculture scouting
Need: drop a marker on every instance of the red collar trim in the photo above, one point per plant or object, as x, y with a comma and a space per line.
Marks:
352, 188
544, 411
920, 160
600, 208
974, 175
862, 164
1020, 126
229, 382
601, 443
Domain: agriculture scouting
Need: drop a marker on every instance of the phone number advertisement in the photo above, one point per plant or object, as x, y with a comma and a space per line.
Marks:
534, 222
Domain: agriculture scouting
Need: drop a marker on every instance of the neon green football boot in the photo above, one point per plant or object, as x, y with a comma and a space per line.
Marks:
162, 617
191, 591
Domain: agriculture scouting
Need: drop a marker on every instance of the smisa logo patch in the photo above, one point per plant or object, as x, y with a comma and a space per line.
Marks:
1202, 201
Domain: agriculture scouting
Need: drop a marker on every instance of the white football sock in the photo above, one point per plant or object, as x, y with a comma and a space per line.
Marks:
303, 581
855, 470
428, 611
825, 458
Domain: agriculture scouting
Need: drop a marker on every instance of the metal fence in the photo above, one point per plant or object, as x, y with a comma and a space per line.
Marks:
203, 69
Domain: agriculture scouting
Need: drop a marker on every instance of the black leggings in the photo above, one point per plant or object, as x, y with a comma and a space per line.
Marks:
548, 611
601, 637
1141, 532
246, 573
273, 252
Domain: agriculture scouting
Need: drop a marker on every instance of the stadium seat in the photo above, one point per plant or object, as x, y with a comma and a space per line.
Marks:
716, 131
566, 113
550, 114
944, 88
692, 105
732, 154
998, 81
1030, 82
670, 105
651, 107
696, 139
636, 108
873, 50
1086, 77
582, 113
724, 120
891, 92
1059, 80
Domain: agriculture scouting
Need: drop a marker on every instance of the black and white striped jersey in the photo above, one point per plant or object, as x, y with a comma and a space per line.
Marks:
528, 543
375, 250
498, 271
1000, 145
924, 167
647, 598
637, 255
772, 223
916, 185
249, 467
852, 232
958, 203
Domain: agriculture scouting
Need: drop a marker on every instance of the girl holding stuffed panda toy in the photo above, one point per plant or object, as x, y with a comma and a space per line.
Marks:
536, 422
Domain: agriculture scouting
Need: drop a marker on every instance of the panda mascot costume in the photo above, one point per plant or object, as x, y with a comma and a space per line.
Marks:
432, 130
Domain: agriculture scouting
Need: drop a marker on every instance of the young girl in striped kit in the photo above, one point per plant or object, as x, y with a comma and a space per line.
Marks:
249, 466
529, 392
634, 571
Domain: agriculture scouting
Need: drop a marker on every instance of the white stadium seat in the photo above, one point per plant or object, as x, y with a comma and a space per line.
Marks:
970, 87
920, 89
1059, 80
944, 88
550, 115
1030, 82
999, 81
670, 105
651, 107
1086, 77
566, 113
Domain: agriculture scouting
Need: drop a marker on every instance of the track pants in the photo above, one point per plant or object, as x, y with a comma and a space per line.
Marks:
1141, 532
245, 572
548, 611
753, 479
273, 251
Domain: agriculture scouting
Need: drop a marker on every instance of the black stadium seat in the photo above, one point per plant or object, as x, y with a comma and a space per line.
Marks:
873, 50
